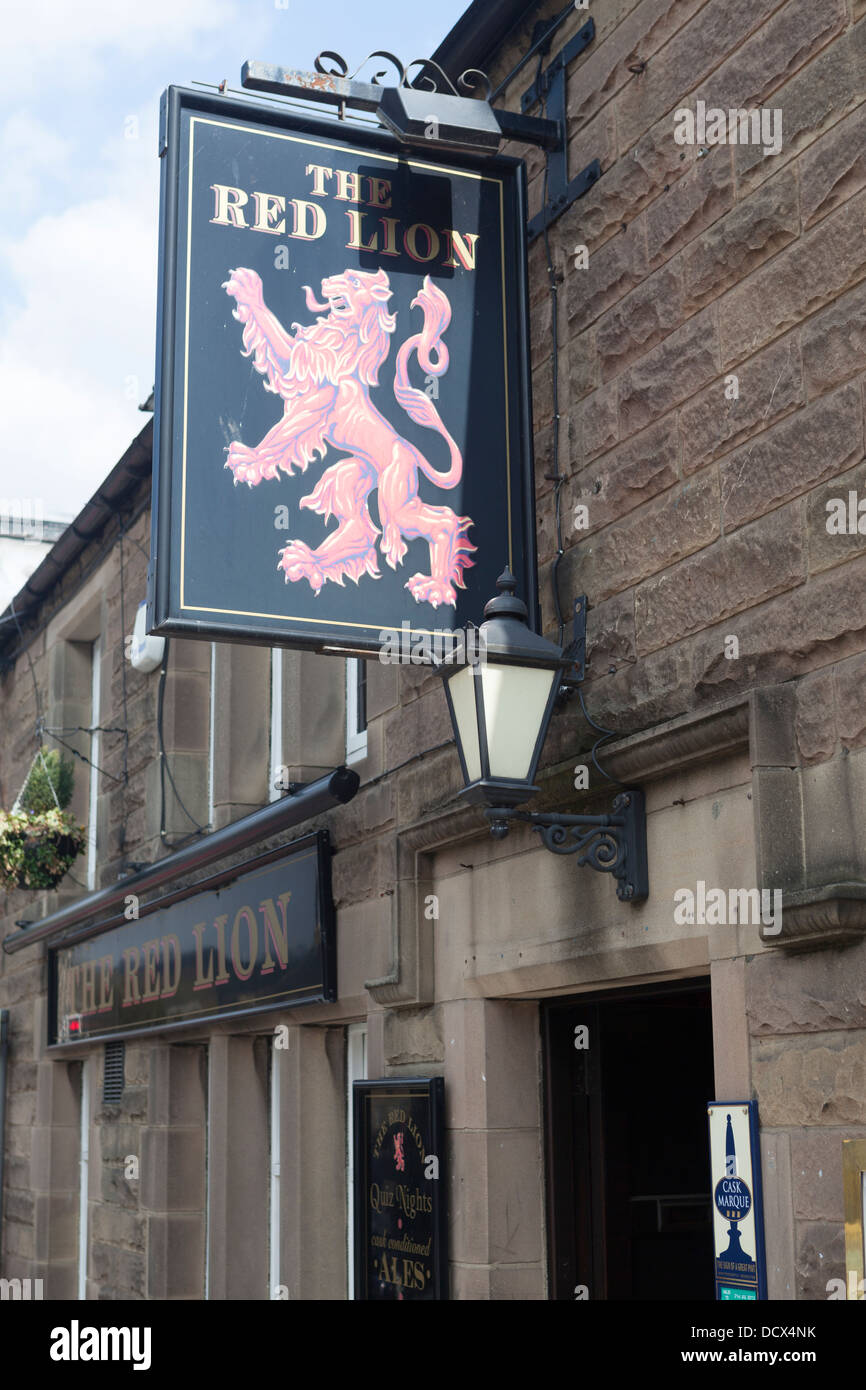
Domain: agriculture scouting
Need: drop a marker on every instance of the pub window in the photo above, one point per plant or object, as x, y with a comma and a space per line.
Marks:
356, 709
93, 791
211, 738
356, 1070
274, 1283
83, 1178
275, 777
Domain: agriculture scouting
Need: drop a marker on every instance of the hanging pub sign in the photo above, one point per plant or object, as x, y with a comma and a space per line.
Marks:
400, 1225
738, 1218
257, 937
343, 436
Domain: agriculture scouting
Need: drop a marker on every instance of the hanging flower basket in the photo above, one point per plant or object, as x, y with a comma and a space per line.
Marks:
36, 850
39, 838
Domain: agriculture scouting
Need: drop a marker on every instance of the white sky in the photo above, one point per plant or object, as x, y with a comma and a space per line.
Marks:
79, 191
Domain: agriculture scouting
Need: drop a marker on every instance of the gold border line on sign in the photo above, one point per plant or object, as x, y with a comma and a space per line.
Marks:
387, 159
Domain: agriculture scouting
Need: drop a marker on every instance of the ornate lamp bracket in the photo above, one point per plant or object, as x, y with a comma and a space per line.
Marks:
613, 844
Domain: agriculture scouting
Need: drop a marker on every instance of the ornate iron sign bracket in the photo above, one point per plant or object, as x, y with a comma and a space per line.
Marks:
576, 650
549, 87
337, 86
613, 844
454, 113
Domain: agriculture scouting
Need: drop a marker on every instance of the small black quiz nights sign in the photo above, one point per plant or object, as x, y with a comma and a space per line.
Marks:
343, 436
257, 937
400, 1226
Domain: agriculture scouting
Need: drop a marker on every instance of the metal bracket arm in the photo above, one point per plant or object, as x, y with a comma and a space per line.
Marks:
613, 844
367, 96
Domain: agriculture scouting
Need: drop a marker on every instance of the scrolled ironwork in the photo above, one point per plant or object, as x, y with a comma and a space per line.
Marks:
389, 58
613, 844
434, 77
342, 68
472, 78
599, 846
430, 78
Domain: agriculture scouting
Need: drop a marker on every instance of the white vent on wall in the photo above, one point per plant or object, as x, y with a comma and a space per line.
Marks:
147, 652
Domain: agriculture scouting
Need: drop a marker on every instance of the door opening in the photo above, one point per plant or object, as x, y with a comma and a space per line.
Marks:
627, 1079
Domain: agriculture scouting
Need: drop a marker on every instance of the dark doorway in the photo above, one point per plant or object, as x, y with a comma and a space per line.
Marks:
628, 1077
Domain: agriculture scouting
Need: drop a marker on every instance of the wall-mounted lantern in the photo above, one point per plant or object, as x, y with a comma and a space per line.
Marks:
501, 705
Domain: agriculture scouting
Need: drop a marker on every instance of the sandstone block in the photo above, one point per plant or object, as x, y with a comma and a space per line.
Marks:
675, 370
834, 342
797, 283
815, 992
812, 445
441, 781
594, 140
791, 39
816, 1169
542, 395
649, 540
413, 1035
770, 387
695, 50
617, 198
820, 1257
175, 1256
540, 331
622, 479
640, 321
811, 626
687, 207
814, 720
596, 424
834, 168
582, 365
828, 548
614, 269
813, 100
811, 1080
850, 702
740, 242
422, 724
119, 1273
605, 68
366, 870
368, 814
657, 687
610, 634
737, 572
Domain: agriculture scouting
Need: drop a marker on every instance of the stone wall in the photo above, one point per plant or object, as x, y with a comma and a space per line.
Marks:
706, 514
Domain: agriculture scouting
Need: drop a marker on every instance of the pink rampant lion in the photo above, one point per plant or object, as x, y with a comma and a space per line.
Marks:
324, 373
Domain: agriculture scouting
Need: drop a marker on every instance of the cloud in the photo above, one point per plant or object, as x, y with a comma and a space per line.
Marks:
81, 45
30, 152
78, 239
77, 345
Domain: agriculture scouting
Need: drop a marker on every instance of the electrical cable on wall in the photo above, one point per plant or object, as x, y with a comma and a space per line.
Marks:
558, 480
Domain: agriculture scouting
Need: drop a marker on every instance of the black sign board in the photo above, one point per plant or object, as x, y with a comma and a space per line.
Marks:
254, 938
400, 1223
343, 435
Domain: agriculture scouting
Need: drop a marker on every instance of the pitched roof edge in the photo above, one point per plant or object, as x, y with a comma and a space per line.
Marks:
133, 465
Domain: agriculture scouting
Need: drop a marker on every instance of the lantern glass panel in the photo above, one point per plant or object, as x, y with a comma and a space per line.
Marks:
461, 688
515, 700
